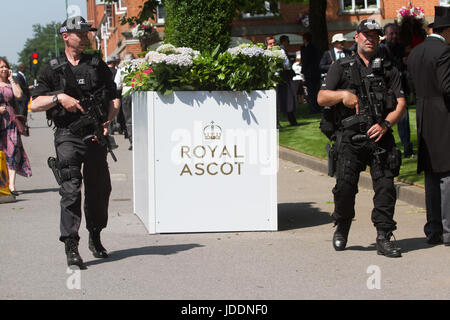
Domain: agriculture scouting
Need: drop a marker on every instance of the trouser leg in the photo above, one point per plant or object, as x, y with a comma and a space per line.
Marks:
344, 200
346, 188
97, 188
291, 118
405, 134
70, 151
445, 207
384, 203
433, 204
127, 113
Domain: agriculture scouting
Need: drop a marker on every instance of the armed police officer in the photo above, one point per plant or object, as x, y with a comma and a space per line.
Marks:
364, 97
61, 91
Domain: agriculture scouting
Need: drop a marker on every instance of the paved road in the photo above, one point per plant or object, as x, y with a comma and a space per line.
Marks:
296, 262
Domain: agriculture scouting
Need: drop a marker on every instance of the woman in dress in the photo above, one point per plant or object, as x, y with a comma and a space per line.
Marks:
10, 140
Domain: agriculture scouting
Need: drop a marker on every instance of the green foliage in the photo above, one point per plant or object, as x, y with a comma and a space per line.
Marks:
244, 68
199, 24
43, 41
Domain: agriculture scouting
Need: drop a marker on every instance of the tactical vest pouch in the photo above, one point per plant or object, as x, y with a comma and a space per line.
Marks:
394, 161
391, 101
328, 123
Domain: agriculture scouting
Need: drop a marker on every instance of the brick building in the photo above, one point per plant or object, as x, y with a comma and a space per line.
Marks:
342, 16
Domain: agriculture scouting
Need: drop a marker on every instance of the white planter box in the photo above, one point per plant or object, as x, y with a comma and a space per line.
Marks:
205, 161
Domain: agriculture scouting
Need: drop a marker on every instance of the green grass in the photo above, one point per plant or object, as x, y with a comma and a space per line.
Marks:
308, 138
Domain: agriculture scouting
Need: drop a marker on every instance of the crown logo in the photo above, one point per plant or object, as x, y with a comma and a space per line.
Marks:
212, 132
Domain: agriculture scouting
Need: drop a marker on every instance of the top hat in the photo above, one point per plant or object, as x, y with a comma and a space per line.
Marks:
441, 17
76, 24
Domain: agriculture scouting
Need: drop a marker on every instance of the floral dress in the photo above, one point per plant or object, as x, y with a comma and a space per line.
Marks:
10, 139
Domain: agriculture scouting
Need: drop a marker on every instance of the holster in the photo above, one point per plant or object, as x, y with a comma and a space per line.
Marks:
53, 164
63, 171
332, 159
395, 161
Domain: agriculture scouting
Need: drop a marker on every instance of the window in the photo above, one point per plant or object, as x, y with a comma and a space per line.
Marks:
269, 14
160, 13
350, 6
445, 3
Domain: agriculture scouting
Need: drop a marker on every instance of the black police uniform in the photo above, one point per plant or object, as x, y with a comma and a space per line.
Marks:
354, 156
79, 160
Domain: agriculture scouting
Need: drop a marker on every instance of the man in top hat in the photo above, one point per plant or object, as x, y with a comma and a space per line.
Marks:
428, 66
81, 159
337, 52
360, 142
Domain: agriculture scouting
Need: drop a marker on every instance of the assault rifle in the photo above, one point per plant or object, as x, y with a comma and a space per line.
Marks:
373, 101
90, 124
370, 102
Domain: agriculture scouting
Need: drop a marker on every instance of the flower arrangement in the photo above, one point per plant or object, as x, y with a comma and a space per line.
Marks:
243, 68
142, 30
410, 11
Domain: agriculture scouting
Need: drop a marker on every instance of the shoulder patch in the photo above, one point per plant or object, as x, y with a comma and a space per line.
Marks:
347, 60
57, 63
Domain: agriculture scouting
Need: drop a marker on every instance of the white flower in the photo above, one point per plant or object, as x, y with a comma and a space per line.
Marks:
277, 54
155, 57
188, 51
166, 48
182, 60
247, 50
181, 57
250, 50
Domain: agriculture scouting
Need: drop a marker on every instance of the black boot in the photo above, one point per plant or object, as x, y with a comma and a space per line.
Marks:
95, 245
341, 234
131, 144
385, 246
73, 257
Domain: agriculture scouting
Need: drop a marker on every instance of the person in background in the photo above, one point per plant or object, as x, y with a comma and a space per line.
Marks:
287, 90
299, 78
411, 33
270, 42
126, 100
335, 53
10, 139
428, 66
391, 49
310, 68
22, 102
118, 124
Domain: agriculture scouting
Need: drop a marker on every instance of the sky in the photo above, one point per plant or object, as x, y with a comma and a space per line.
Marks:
18, 17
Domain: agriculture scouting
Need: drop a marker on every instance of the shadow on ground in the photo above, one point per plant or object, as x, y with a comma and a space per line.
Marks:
143, 251
406, 245
39, 190
300, 215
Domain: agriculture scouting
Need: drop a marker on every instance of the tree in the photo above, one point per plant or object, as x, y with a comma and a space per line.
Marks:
199, 24
318, 24
46, 41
